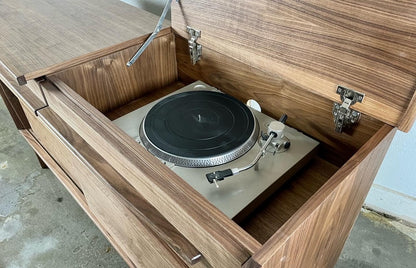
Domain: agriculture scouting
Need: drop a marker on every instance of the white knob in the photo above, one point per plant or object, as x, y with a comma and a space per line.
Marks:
253, 104
276, 127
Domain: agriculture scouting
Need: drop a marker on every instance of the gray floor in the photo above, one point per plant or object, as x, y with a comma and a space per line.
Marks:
42, 226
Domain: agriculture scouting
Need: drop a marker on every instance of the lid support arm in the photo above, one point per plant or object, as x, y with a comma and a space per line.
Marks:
153, 35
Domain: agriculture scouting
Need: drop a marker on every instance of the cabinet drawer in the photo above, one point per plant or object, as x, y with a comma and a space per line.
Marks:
140, 233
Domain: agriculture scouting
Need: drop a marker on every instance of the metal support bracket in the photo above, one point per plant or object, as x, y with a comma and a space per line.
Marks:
153, 35
195, 49
344, 116
39, 81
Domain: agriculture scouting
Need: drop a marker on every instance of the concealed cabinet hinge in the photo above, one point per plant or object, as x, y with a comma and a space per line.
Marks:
344, 116
195, 49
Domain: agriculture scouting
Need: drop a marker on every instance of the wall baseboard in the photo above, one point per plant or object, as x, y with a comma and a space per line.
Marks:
396, 204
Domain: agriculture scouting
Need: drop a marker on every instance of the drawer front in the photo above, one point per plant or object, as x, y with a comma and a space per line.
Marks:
316, 233
54, 146
142, 234
35, 89
221, 241
69, 185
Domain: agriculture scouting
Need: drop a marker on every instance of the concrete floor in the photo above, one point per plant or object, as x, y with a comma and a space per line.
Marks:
42, 226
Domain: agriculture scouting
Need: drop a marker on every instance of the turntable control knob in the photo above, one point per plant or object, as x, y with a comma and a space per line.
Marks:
277, 128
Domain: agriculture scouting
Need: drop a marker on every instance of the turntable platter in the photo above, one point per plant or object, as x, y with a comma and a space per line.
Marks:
199, 129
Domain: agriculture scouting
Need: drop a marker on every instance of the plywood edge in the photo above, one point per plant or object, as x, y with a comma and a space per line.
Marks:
23, 78
409, 116
277, 241
71, 188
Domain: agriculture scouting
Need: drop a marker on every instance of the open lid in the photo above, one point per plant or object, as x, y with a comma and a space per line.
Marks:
367, 46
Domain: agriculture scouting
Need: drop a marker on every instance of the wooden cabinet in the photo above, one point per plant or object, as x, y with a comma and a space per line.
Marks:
288, 55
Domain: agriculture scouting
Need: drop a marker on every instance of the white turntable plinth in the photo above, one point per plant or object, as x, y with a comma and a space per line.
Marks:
239, 191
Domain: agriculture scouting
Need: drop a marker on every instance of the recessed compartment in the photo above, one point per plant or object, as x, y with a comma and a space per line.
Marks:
87, 97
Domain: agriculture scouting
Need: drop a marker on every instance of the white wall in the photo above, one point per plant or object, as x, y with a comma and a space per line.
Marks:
394, 189
153, 6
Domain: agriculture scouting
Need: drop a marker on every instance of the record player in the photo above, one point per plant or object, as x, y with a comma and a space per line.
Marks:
234, 155
313, 60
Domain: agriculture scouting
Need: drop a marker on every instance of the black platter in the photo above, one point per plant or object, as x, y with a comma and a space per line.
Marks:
199, 129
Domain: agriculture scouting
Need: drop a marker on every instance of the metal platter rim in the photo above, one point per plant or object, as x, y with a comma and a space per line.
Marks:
216, 160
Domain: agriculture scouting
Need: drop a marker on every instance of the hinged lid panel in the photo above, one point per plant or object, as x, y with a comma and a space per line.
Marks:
368, 46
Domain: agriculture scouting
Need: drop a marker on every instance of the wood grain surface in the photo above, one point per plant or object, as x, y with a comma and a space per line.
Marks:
366, 46
14, 107
135, 236
282, 205
107, 83
42, 37
9, 94
25, 95
143, 100
68, 183
315, 235
121, 190
410, 116
222, 242
308, 112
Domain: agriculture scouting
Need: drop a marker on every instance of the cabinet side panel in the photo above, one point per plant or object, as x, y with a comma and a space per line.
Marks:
315, 236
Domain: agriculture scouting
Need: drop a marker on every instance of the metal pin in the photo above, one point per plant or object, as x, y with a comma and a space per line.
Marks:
216, 184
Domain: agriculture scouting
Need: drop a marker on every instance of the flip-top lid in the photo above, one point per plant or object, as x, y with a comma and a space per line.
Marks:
367, 46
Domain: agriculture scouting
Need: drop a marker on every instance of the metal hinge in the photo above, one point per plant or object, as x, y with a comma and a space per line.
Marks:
344, 116
195, 49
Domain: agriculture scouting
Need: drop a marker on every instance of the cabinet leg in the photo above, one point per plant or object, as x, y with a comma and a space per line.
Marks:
14, 107
17, 113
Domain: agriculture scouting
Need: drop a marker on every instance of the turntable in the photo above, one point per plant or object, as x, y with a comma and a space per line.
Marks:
234, 155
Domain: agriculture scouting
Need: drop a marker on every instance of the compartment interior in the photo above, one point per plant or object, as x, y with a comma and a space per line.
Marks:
116, 90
